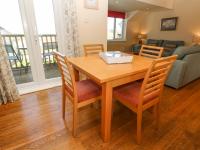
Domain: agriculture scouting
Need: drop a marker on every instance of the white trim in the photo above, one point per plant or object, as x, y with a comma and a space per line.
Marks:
125, 28
37, 86
120, 40
32, 39
58, 6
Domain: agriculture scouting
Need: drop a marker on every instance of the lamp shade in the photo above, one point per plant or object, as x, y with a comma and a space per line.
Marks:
141, 36
196, 39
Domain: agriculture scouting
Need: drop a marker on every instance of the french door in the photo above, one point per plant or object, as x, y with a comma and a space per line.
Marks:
29, 35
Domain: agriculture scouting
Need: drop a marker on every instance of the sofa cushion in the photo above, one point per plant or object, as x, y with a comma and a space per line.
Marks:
184, 51
170, 46
153, 42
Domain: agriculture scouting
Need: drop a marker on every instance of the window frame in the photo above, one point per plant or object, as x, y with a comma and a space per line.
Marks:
124, 26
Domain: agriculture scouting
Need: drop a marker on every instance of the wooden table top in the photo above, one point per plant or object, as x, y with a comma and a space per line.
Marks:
97, 69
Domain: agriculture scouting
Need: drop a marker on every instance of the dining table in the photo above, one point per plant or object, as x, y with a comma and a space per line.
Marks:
109, 76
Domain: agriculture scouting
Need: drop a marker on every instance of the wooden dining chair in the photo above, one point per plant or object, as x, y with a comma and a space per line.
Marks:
139, 96
93, 49
151, 51
80, 93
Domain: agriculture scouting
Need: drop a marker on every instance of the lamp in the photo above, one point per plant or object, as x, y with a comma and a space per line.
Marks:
141, 37
196, 39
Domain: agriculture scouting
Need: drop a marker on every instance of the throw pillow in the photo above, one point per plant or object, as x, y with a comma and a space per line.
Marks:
181, 51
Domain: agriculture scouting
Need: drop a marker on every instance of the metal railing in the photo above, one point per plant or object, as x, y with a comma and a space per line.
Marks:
17, 51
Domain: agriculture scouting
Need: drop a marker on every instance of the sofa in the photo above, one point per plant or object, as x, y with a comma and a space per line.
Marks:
169, 46
186, 68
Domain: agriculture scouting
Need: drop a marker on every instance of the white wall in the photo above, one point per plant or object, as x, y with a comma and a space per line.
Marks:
92, 23
162, 3
188, 22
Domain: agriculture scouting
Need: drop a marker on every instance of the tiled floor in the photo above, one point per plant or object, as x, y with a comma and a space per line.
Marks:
51, 71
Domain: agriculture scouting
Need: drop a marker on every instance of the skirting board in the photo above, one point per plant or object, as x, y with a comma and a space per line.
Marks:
38, 86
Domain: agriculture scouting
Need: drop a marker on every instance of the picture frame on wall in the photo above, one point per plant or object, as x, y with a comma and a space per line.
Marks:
91, 4
169, 24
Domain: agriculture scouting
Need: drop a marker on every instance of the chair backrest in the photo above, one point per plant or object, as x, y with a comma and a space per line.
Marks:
93, 49
67, 74
151, 51
154, 80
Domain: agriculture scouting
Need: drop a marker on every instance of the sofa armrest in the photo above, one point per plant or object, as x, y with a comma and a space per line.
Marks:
176, 75
193, 69
136, 48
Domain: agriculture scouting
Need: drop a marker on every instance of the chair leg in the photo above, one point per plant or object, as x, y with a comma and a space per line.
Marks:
157, 115
63, 102
139, 127
75, 117
113, 106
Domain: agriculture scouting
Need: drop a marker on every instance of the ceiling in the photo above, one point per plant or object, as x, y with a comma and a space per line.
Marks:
130, 5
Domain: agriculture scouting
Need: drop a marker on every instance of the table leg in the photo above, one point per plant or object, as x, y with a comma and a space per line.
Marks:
76, 73
106, 112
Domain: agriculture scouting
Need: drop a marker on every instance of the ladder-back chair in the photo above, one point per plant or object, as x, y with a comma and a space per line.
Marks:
139, 96
80, 93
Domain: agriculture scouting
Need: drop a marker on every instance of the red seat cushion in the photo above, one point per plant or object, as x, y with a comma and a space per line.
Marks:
87, 89
130, 93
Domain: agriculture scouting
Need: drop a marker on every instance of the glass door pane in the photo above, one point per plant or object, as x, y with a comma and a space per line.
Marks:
47, 36
119, 28
12, 32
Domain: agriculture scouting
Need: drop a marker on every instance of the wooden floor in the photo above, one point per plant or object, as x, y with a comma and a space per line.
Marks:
35, 122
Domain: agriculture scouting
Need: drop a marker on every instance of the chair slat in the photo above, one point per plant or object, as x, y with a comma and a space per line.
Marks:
68, 80
153, 88
153, 78
152, 94
151, 84
69, 85
148, 55
163, 65
93, 48
157, 72
151, 51
66, 73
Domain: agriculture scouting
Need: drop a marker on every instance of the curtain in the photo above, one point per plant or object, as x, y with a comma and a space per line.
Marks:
71, 29
8, 90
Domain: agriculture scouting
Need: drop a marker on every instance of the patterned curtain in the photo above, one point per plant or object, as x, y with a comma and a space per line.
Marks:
8, 90
71, 28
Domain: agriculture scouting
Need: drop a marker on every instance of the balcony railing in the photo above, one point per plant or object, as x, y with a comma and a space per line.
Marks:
16, 48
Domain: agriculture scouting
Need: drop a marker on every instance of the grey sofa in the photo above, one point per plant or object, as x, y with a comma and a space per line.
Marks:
186, 68
169, 46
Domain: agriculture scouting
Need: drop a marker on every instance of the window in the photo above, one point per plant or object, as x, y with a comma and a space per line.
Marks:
116, 26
